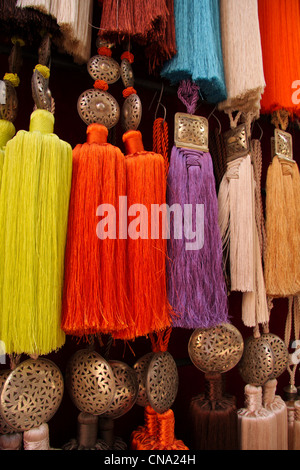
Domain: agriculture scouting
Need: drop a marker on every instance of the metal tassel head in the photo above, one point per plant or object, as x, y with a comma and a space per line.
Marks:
191, 132
216, 349
131, 114
257, 364
98, 106
8, 101
31, 394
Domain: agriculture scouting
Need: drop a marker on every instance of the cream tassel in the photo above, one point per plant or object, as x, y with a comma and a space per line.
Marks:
273, 402
257, 426
37, 438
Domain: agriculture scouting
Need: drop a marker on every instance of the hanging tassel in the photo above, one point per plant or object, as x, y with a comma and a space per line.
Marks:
196, 284
95, 299
87, 434
242, 56
157, 433
7, 132
37, 438
280, 54
12, 441
213, 417
274, 403
282, 262
257, 427
199, 49
34, 203
146, 244
73, 17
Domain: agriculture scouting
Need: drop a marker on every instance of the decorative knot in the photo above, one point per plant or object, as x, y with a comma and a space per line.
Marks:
104, 51
101, 85
12, 78
129, 91
128, 55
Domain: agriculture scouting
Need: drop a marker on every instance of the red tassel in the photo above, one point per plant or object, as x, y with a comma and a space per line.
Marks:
95, 298
146, 257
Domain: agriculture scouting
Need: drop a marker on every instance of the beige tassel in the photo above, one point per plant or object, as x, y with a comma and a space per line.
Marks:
37, 438
257, 427
274, 403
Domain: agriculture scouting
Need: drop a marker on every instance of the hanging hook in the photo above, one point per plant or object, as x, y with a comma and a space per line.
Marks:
216, 118
159, 103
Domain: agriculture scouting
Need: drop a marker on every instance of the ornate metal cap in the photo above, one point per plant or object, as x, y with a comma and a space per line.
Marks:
31, 394
90, 382
217, 349
283, 145
131, 113
126, 73
40, 91
257, 364
8, 101
126, 390
237, 142
98, 106
105, 68
141, 368
191, 132
162, 382
281, 354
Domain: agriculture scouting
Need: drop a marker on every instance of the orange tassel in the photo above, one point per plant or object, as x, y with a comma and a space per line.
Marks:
95, 298
146, 255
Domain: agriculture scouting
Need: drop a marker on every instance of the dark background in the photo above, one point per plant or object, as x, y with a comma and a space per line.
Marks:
68, 80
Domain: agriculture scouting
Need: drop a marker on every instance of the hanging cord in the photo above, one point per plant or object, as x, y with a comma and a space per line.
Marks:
256, 154
292, 321
188, 93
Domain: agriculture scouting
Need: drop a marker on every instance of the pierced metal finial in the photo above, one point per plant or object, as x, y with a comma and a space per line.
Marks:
98, 106
257, 364
8, 101
283, 145
131, 113
216, 349
31, 394
191, 132
90, 382
237, 142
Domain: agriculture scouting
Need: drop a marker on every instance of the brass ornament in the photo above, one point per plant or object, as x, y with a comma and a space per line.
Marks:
162, 382
105, 68
90, 382
98, 106
31, 394
4, 427
237, 143
131, 113
141, 368
283, 145
191, 132
40, 91
281, 354
8, 101
257, 364
216, 349
127, 75
126, 391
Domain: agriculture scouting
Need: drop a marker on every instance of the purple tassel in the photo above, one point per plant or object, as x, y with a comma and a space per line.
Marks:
196, 285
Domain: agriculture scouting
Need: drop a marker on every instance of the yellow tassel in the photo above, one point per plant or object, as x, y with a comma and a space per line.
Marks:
7, 131
282, 259
34, 201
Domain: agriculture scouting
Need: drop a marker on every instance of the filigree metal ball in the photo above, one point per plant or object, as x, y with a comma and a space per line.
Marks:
4, 427
281, 354
127, 73
8, 101
90, 382
216, 349
31, 394
104, 68
98, 106
126, 391
162, 382
131, 114
141, 368
40, 91
257, 364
